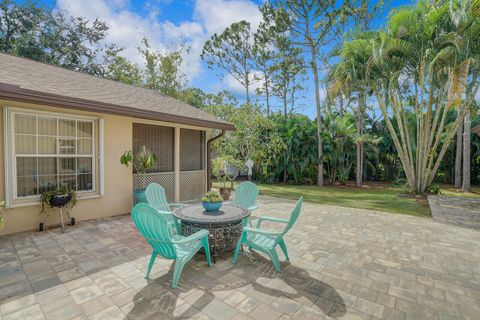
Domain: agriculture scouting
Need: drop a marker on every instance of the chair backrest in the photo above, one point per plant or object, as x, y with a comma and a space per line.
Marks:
246, 194
156, 197
154, 227
294, 215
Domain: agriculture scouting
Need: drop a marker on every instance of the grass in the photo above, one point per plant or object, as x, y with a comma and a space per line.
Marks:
374, 196
449, 190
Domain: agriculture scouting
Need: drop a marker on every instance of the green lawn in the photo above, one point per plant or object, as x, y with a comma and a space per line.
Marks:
450, 190
374, 196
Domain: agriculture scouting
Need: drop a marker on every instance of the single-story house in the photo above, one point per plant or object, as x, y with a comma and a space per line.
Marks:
67, 128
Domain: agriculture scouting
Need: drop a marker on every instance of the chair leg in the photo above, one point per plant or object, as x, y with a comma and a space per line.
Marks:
284, 248
206, 247
177, 271
150, 265
237, 249
275, 260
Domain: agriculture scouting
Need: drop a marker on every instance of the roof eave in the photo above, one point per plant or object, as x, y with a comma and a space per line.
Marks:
16, 93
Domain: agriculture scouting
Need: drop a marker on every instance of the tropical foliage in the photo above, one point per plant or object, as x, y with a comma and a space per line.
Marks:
397, 92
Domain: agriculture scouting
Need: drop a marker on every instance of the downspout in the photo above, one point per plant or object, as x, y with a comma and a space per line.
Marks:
209, 159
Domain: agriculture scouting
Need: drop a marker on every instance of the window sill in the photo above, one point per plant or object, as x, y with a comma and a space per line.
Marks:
31, 203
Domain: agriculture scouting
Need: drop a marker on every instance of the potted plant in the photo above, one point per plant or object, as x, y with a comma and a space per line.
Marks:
212, 201
226, 168
219, 166
141, 162
60, 197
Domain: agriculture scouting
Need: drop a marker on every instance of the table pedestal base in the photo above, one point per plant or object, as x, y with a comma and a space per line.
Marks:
222, 238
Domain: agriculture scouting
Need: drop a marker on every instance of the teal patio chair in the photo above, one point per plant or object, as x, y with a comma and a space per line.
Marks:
153, 225
246, 196
156, 198
266, 241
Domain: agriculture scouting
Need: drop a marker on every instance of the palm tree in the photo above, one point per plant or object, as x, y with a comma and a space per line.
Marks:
426, 62
350, 78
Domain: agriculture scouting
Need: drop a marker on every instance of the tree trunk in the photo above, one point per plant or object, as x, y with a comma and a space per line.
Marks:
359, 153
268, 101
458, 158
285, 158
466, 152
319, 119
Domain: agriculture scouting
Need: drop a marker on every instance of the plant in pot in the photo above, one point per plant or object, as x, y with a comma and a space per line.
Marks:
143, 160
212, 201
226, 168
219, 165
60, 197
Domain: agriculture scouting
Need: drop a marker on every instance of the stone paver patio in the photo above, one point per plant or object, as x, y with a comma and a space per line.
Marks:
345, 264
460, 211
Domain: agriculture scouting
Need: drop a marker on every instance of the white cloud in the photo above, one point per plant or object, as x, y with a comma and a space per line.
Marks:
127, 28
216, 15
238, 89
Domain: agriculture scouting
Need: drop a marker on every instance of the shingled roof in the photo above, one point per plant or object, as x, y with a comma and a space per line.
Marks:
31, 81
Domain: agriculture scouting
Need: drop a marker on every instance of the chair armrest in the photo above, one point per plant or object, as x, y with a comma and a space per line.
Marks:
261, 231
194, 237
271, 219
252, 208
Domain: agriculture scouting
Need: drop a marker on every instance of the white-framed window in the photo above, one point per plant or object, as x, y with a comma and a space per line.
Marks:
46, 151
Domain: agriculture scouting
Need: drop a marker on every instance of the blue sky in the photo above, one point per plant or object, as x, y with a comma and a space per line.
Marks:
171, 23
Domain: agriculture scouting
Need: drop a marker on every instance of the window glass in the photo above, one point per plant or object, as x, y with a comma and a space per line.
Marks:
52, 152
47, 126
66, 128
85, 129
25, 124
25, 144
47, 145
66, 146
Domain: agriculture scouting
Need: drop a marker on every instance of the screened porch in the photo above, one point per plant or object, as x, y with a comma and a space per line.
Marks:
181, 159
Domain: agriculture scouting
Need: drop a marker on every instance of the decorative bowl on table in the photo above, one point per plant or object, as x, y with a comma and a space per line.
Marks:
212, 201
212, 206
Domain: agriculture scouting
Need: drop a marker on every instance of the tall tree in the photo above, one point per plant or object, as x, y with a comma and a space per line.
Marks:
311, 24
121, 69
163, 70
286, 71
466, 151
232, 51
20, 25
263, 53
427, 61
54, 37
356, 17
458, 157
350, 77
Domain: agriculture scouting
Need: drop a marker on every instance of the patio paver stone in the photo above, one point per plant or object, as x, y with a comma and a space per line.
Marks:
344, 264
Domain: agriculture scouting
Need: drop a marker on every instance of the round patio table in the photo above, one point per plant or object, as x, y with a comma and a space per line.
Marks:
224, 225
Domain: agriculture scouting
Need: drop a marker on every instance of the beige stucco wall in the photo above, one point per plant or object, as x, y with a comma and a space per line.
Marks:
117, 198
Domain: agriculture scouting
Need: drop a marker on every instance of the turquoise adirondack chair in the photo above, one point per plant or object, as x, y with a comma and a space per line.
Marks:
153, 225
246, 196
156, 198
266, 241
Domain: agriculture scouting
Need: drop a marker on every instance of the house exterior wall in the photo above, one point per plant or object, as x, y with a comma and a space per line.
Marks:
117, 195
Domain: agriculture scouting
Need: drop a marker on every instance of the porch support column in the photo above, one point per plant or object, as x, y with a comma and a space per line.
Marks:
176, 164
